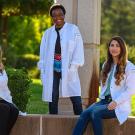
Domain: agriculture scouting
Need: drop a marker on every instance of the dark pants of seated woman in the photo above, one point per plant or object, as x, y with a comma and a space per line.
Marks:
8, 117
94, 114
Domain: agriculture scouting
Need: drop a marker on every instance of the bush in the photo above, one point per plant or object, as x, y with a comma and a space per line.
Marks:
131, 53
19, 83
34, 72
27, 60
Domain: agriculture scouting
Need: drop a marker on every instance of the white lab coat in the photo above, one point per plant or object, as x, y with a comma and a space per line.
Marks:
4, 90
122, 93
72, 54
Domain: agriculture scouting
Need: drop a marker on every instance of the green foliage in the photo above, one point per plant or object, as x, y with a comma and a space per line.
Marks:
131, 53
34, 72
27, 60
26, 34
133, 105
35, 104
19, 84
24, 37
24, 7
21, 33
10, 56
118, 18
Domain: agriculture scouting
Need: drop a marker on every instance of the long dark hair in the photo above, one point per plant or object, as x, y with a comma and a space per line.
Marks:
120, 68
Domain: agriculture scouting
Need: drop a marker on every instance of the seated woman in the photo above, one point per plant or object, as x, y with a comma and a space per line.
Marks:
117, 87
8, 112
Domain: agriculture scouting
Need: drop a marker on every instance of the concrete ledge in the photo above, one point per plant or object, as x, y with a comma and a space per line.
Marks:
27, 125
64, 124
58, 125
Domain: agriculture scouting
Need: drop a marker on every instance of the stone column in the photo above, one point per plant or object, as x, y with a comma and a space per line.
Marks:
87, 15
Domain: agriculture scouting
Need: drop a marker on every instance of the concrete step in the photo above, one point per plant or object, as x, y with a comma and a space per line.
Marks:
64, 124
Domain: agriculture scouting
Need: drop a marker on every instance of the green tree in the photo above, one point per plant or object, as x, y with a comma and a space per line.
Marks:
17, 8
25, 32
24, 36
24, 7
22, 23
118, 18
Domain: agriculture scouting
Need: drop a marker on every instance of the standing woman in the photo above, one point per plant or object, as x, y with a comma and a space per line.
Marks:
117, 87
61, 53
8, 112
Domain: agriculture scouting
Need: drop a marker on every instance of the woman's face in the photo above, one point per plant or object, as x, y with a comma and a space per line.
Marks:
114, 48
58, 17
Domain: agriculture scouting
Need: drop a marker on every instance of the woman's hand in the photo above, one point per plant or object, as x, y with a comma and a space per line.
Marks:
112, 105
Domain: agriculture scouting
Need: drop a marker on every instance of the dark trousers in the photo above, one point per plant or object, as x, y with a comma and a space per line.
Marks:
94, 114
53, 106
8, 117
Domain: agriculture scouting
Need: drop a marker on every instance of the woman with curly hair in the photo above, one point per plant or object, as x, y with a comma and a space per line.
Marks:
61, 54
117, 87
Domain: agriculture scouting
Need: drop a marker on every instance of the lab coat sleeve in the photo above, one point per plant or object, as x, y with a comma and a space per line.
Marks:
41, 63
129, 87
78, 53
3, 79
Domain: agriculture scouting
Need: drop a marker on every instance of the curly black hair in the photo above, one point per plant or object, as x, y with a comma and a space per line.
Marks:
56, 6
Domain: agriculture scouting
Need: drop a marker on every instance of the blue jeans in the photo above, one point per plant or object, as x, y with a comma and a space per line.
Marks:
94, 113
53, 106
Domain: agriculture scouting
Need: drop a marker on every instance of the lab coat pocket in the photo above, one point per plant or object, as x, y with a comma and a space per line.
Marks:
72, 75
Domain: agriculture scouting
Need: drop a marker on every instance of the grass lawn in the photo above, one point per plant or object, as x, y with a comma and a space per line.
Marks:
133, 105
36, 105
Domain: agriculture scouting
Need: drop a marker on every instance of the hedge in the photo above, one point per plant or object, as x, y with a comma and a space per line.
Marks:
19, 83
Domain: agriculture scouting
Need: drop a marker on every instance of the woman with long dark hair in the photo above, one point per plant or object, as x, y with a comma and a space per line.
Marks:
117, 87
